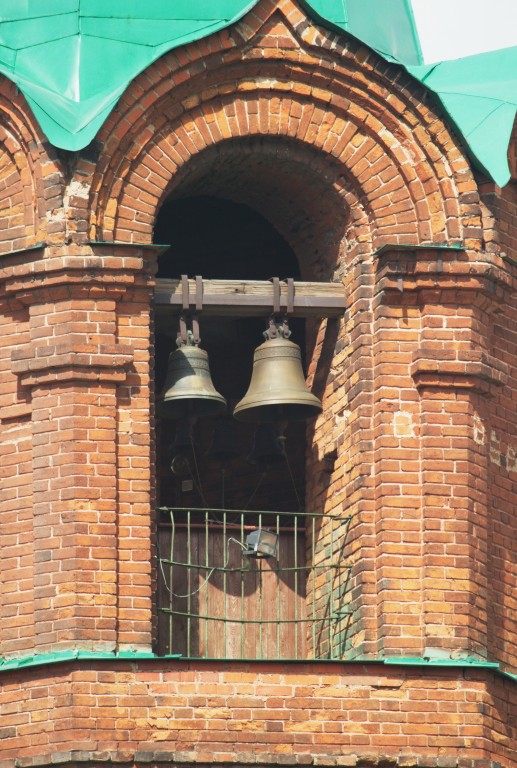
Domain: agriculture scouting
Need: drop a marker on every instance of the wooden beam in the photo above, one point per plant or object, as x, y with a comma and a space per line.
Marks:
247, 298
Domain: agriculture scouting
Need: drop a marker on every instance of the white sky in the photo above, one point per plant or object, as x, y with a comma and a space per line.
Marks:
450, 29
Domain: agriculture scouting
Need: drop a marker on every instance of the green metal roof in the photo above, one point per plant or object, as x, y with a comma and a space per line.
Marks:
72, 59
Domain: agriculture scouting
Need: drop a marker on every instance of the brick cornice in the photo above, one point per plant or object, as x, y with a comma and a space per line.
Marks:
50, 273
69, 361
178, 759
411, 274
436, 365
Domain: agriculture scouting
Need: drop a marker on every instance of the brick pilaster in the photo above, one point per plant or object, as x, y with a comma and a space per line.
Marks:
449, 515
73, 367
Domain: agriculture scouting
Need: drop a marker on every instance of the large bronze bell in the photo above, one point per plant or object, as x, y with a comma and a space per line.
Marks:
277, 391
188, 390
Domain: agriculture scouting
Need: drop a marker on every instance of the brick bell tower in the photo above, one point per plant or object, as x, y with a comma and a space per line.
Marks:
383, 633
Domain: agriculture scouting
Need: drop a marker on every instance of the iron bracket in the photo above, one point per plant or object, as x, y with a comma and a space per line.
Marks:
186, 336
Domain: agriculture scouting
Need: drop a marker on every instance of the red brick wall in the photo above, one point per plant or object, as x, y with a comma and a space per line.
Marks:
340, 157
262, 714
68, 559
16, 526
498, 430
343, 155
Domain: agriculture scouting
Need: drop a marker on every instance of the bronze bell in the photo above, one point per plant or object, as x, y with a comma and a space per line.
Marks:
277, 391
188, 390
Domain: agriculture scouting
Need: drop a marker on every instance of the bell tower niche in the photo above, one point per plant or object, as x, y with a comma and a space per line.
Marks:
236, 544
219, 239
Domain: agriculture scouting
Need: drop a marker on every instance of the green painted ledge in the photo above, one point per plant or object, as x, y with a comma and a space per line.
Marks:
401, 247
66, 657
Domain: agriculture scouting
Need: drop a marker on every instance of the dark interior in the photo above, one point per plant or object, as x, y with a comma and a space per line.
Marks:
218, 238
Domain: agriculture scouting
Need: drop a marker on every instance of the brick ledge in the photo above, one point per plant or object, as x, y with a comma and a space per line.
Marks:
439, 366
81, 758
70, 361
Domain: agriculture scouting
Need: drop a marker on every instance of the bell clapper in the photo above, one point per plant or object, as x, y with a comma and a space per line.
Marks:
281, 426
192, 418
224, 449
260, 481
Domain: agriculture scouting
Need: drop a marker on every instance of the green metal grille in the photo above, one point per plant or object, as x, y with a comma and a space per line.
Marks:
216, 602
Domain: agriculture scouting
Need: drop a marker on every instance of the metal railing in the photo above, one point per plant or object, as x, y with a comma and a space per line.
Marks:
216, 601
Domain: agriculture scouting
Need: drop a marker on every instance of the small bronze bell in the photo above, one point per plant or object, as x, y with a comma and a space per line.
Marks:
188, 390
277, 391
267, 446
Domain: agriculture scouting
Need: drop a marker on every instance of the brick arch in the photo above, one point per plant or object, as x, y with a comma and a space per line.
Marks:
385, 178
363, 127
23, 191
337, 98
308, 202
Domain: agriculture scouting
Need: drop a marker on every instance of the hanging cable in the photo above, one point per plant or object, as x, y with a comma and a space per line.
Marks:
197, 480
210, 572
291, 475
261, 478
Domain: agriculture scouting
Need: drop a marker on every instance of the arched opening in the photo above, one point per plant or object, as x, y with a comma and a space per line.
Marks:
297, 191
222, 223
218, 238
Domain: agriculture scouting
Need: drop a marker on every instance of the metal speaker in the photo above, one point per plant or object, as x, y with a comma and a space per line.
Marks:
188, 390
277, 390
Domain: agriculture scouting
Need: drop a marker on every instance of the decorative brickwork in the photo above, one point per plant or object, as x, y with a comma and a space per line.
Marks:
84, 587
496, 430
349, 161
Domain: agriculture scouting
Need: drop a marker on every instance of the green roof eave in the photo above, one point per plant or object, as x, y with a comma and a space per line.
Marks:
72, 59
73, 80
478, 93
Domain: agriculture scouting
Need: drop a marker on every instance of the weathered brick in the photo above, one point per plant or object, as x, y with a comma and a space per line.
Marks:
416, 442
